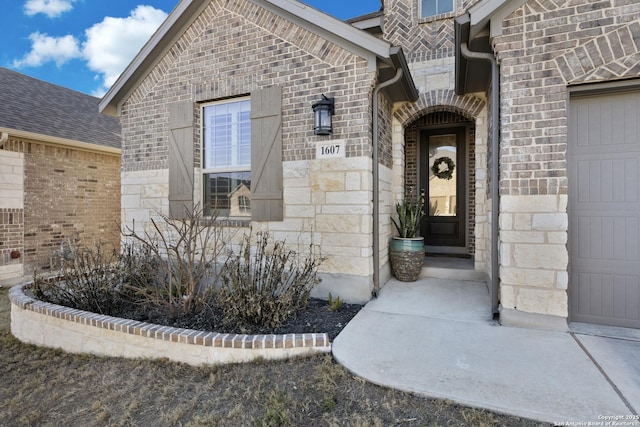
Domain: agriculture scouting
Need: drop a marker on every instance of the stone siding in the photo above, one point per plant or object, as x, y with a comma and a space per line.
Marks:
328, 202
533, 254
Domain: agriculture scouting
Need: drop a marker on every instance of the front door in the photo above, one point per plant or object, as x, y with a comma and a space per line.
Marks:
443, 183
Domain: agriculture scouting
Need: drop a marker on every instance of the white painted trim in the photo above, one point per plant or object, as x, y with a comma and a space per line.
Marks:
368, 23
54, 140
494, 11
326, 23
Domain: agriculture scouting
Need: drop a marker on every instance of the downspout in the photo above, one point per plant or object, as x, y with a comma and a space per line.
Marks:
495, 166
376, 183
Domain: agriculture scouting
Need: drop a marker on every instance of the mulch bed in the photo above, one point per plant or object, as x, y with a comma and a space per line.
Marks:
317, 317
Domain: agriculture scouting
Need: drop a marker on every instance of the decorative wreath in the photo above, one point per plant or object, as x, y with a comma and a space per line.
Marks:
445, 173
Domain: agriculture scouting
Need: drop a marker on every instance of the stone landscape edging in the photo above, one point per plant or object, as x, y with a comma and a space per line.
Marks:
77, 331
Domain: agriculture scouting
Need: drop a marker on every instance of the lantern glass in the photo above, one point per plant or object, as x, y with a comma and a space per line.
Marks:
322, 122
322, 111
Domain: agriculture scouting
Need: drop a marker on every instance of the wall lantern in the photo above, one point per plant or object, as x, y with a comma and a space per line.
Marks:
322, 112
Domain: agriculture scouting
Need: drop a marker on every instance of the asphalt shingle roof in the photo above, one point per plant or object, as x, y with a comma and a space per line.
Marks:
33, 105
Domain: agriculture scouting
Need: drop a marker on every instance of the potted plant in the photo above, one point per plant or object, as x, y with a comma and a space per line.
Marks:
406, 251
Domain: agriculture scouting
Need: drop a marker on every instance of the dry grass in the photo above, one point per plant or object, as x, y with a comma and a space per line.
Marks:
46, 387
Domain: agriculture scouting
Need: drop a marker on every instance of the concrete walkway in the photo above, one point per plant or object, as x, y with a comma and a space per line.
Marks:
435, 337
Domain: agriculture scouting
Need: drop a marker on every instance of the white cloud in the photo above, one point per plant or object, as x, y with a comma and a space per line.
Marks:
112, 43
51, 8
109, 46
49, 49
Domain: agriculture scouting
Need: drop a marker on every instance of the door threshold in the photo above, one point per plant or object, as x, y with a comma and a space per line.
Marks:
441, 255
452, 251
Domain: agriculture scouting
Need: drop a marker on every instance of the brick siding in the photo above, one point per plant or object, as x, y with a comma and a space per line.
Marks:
210, 62
385, 142
68, 194
11, 232
546, 46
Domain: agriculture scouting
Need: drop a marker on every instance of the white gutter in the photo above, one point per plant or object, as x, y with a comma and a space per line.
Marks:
54, 140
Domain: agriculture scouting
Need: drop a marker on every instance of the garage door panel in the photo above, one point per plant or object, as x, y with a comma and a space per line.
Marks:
632, 298
607, 296
606, 122
607, 179
604, 209
607, 238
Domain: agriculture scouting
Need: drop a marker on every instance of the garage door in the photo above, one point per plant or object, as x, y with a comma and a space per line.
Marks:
604, 208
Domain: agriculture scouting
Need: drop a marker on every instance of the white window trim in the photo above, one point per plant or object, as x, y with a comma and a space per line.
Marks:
202, 136
204, 171
437, 16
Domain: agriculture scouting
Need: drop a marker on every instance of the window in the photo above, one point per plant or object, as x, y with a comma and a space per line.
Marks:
226, 153
435, 7
244, 204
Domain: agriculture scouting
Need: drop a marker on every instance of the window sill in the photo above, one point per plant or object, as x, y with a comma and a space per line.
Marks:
439, 17
228, 222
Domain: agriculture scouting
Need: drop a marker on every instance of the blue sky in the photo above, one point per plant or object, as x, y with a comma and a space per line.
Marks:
85, 44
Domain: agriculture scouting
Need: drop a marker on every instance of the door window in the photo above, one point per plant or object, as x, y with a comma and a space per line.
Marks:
443, 175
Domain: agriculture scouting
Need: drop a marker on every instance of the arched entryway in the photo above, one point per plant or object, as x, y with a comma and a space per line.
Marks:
440, 163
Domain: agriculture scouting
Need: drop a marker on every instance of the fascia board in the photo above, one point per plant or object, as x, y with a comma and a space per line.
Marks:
368, 23
63, 142
345, 35
493, 11
483, 10
324, 24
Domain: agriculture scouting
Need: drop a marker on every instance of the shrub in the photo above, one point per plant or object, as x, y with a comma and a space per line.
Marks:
90, 280
335, 304
180, 261
267, 287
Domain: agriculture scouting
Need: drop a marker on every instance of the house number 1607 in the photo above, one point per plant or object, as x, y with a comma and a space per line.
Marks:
330, 150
